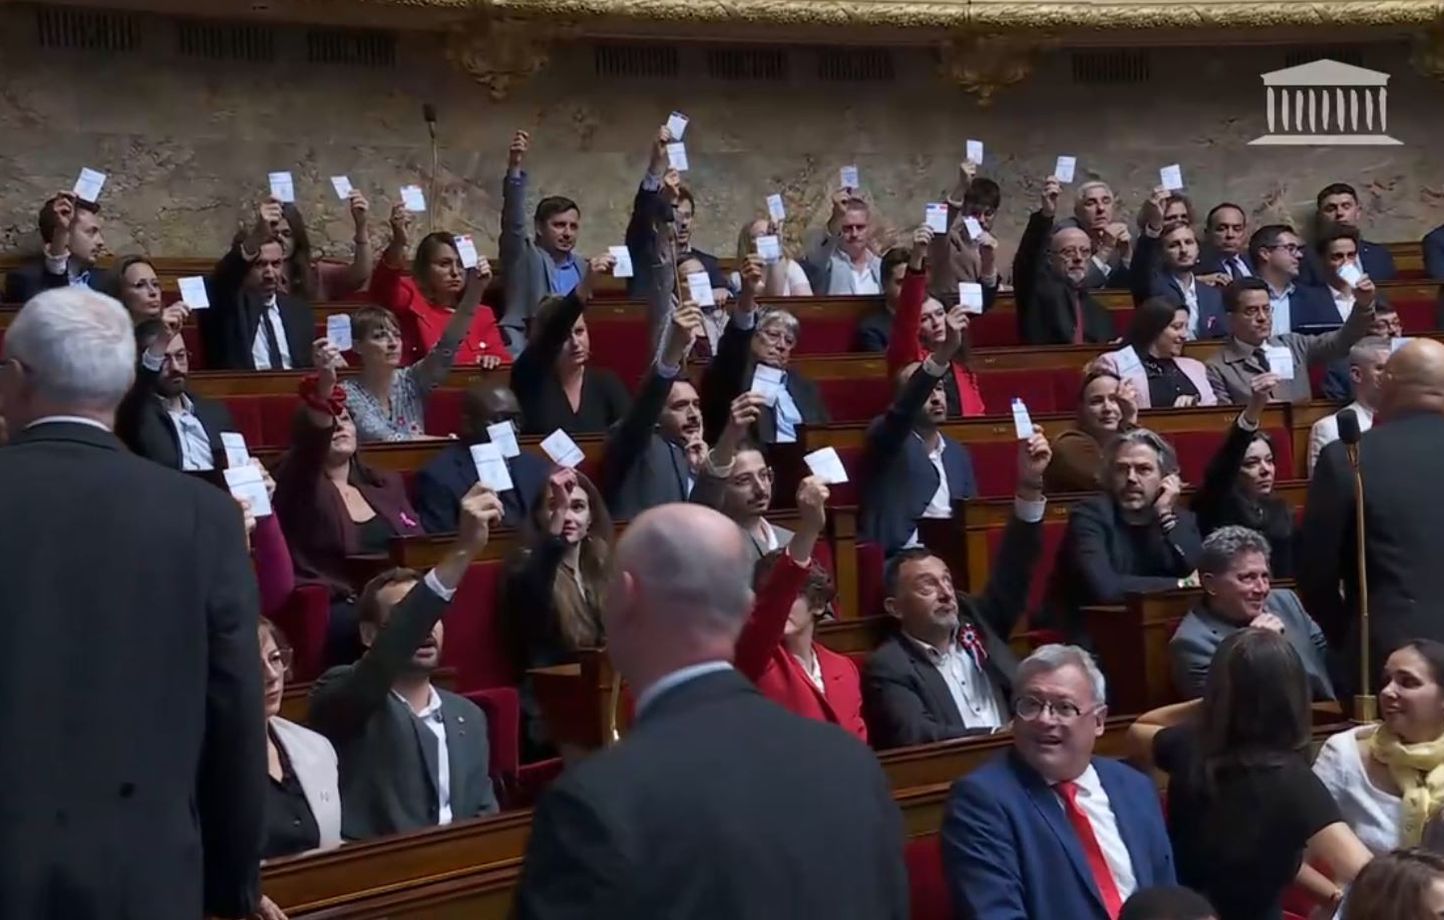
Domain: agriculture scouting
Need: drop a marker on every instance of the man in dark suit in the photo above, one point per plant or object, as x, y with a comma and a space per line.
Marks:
1404, 495
874, 329
1338, 205
664, 206
252, 324
1047, 829
440, 485
1095, 213
1133, 537
947, 670
1433, 244
159, 419
131, 700
410, 754
1225, 247
653, 453
690, 816
70, 231
1276, 250
912, 469
1166, 265
1050, 273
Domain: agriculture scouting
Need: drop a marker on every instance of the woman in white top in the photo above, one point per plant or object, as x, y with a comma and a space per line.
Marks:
1389, 778
784, 277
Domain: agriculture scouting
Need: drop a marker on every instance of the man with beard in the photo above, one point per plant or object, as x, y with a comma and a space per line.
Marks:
737, 481
1166, 265
70, 230
1095, 213
158, 419
411, 755
661, 226
1050, 275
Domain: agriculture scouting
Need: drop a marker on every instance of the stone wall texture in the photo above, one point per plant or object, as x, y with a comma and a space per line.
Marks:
188, 143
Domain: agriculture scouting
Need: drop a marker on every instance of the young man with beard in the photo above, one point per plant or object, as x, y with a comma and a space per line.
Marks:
159, 419
70, 230
737, 481
1166, 265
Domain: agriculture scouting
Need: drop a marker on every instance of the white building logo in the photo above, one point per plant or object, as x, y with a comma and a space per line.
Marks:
1324, 103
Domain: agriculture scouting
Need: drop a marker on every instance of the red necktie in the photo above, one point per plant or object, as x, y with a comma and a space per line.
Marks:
1102, 875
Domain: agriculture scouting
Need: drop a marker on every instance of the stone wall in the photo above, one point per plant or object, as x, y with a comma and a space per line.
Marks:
188, 143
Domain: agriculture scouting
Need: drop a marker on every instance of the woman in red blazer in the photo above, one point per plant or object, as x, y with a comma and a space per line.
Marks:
776, 650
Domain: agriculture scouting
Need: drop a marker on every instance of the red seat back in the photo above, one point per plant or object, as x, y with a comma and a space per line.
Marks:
856, 399
502, 709
265, 419
443, 412
476, 643
870, 588
303, 620
993, 330
927, 883
826, 335
1053, 531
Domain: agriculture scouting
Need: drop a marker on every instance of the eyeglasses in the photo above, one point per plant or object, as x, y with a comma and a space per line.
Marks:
1075, 252
1290, 248
1029, 708
775, 336
762, 477
279, 661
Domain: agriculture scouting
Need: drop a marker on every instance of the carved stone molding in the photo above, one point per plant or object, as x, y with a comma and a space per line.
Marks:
1428, 56
499, 51
984, 64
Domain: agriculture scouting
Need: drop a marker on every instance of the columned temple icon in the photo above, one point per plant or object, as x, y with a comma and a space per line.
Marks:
1325, 103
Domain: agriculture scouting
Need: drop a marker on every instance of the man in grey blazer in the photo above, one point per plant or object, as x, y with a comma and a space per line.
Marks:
411, 755
737, 481
1234, 573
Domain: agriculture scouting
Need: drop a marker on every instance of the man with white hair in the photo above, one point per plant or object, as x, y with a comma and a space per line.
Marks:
1366, 372
1048, 829
718, 802
137, 777
1095, 213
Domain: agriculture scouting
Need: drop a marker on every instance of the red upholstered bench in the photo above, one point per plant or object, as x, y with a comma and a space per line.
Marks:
927, 882
476, 642
266, 419
1196, 448
1053, 531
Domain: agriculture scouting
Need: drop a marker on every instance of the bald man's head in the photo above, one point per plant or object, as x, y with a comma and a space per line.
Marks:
1413, 380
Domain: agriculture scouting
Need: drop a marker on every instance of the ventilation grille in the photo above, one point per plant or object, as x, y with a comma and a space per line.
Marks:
355, 47
216, 41
855, 65
769, 64
86, 30
647, 61
1344, 54
1112, 67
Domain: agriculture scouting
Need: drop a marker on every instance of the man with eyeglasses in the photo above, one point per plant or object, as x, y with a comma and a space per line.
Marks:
1244, 354
1051, 273
736, 480
1277, 250
159, 419
1048, 829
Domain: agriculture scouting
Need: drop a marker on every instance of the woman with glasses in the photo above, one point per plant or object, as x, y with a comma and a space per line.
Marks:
1244, 808
137, 287
553, 378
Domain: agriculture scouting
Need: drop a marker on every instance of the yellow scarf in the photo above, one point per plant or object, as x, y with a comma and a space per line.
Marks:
1418, 769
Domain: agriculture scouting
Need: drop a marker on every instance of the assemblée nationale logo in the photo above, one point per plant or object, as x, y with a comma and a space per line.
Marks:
1325, 103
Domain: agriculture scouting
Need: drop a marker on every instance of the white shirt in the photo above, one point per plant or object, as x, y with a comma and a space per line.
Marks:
432, 716
1343, 301
1093, 802
1189, 286
1280, 304
1371, 813
972, 691
785, 415
261, 349
1236, 266
864, 281
194, 443
941, 504
813, 670
677, 678
1326, 430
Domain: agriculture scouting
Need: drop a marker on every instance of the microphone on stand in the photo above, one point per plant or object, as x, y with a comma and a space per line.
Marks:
1365, 706
428, 112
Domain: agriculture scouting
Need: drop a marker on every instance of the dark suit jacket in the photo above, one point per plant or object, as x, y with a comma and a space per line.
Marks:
1374, 259
229, 325
1147, 279
1097, 562
1009, 850
1311, 308
440, 484
692, 817
1045, 306
146, 428
640, 468
130, 703
1434, 253
730, 374
1211, 262
387, 756
650, 210
30, 279
900, 479
905, 699
1199, 635
1404, 501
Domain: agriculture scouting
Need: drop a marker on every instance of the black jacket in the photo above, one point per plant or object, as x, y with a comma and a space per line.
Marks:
1044, 300
30, 279
730, 374
1219, 502
229, 325
640, 468
146, 428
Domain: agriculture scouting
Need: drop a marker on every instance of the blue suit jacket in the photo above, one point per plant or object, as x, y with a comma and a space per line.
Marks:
1010, 853
1312, 308
1147, 279
440, 485
1434, 253
1374, 259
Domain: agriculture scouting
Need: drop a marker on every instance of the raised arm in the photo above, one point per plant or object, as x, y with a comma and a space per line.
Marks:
225, 280
1335, 344
534, 365
386, 288
129, 415
886, 438
362, 259
1222, 471
514, 245
431, 370
902, 343
1005, 599
765, 627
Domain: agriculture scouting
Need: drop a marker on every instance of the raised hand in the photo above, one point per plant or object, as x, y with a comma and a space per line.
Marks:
516, 153
559, 489
956, 324
1128, 402
1034, 455
63, 209
812, 495
967, 172
1048, 201
1260, 392
922, 239
400, 223
1168, 494
658, 163
1364, 291
360, 210
1150, 213
269, 214
682, 331
480, 511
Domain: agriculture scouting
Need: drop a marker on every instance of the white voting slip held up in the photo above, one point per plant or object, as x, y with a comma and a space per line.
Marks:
677, 125
677, 156
1281, 361
847, 177
562, 449
88, 186
342, 185
622, 266
193, 292
975, 151
1350, 273
935, 215
1171, 177
1022, 422
970, 296
245, 483
775, 208
769, 247
766, 382
234, 444
826, 465
699, 289
283, 188
503, 435
1064, 169
466, 249
412, 198
491, 469
338, 330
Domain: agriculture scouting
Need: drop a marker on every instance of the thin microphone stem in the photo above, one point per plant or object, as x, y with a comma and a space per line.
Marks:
431, 198
1365, 706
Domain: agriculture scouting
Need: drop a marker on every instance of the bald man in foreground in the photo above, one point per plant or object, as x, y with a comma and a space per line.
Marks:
717, 803
1403, 519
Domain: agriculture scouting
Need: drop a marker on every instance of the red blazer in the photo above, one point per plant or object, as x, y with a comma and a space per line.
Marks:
903, 347
422, 321
763, 659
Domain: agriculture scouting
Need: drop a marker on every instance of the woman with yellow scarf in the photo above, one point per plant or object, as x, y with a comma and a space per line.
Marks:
1388, 779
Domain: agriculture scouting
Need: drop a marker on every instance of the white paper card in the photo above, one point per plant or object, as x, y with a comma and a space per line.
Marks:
466, 249
974, 228
677, 125
245, 482
88, 186
503, 435
338, 330
1350, 273
1064, 168
563, 450
342, 185
412, 198
975, 151
766, 381
491, 469
1126, 361
1171, 177
1399, 343
1022, 422
623, 257
775, 210
826, 465
699, 289
935, 215
282, 187
769, 247
1281, 361
193, 293
970, 296
235, 445
677, 156
847, 177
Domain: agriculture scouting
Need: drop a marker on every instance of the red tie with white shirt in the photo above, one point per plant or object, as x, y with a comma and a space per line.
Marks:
1092, 850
